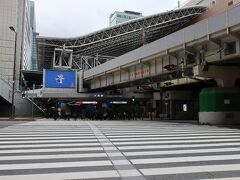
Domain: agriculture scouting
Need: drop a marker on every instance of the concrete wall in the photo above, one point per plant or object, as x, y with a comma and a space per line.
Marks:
218, 118
23, 107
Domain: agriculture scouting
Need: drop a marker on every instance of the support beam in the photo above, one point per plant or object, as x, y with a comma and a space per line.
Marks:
120, 74
214, 41
188, 50
147, 64
171, 54
235, 35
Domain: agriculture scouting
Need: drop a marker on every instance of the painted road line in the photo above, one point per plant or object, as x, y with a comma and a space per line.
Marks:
178, 146
190, 169
175, 135
47, 141
61, 176
185, 159
55, 165
62, 149
50, 145
181, 152
46, 137
125, 174
172, 138
229, 178
56, 156
179, 141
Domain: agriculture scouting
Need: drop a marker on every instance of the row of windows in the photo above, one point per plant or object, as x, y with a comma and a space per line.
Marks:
125, 17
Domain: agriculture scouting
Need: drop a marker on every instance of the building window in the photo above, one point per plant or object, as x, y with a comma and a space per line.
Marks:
230, 3
213, 3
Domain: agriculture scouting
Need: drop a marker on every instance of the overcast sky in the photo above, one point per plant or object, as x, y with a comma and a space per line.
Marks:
71, 18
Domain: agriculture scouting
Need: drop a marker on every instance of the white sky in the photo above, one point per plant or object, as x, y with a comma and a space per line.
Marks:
71, 18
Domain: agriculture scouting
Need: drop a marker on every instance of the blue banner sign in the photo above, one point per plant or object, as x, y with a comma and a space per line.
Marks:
60, 79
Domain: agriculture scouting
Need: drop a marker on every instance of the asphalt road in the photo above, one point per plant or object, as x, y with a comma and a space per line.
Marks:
111, 150
5, 123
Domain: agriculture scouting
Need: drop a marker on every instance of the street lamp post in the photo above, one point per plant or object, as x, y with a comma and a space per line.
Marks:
14, 74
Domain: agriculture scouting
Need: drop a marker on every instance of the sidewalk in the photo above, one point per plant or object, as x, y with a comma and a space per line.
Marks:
17, 119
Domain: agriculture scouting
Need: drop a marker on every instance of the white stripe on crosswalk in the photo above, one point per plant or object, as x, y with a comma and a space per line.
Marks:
185, 159
48, 141
61, 176
174, 135
180, 152
169, 131
47, 137
178, 146
190, 169
62, 149
174, 138
55, 165
229, 178
51, 145
178, 141
56, 156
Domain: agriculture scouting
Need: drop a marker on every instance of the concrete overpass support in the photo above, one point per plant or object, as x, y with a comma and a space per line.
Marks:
220, 105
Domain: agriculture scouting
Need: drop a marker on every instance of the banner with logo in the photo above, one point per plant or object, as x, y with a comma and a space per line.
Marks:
60, 79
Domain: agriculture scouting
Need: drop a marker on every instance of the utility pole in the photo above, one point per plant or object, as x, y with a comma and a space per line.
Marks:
33, 101
14, 74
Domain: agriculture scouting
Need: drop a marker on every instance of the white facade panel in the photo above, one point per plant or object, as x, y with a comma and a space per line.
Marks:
217, 23
201, 29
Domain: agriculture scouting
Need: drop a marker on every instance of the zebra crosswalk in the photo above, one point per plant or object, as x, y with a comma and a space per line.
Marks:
112, 150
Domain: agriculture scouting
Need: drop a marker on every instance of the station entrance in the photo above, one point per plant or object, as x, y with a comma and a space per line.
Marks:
104, 109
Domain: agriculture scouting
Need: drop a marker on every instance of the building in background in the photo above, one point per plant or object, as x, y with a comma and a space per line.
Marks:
15, 13
214, 7
212, 3
120, 17
27, 38
12, 14
34, 64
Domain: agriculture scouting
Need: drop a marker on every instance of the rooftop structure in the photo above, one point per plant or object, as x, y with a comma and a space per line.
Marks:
120, 17
120, 39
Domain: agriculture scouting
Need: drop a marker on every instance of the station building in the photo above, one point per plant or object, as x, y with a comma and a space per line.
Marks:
180, 64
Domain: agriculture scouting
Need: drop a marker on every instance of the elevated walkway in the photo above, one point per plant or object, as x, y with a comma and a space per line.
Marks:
149, 60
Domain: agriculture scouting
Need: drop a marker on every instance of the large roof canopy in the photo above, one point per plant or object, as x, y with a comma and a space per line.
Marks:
120, 39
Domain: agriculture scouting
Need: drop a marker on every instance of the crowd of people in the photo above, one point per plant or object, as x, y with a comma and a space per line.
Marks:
93, 114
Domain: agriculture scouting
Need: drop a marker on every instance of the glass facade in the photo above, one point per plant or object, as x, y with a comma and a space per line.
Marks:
120, 17
34, 62
34, 52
